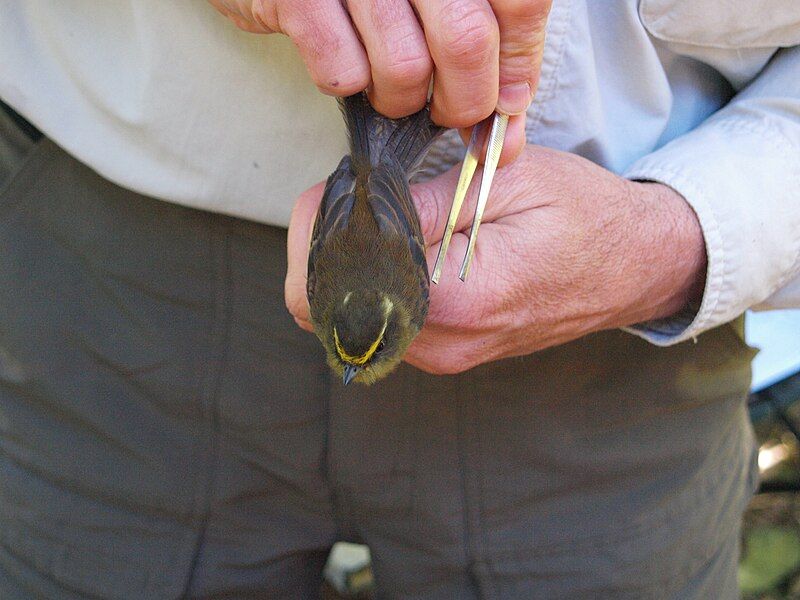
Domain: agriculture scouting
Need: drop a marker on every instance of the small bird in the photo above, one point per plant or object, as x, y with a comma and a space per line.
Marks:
368, 278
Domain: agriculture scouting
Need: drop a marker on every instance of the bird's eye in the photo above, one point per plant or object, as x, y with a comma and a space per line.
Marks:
380, 346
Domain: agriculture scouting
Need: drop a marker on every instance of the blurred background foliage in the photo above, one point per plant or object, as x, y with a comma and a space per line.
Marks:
770, 564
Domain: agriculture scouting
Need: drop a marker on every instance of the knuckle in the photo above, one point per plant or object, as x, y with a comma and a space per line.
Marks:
408, 69
306, 38
265, 14
244, 24
523, 9
335, 66
468, 114
469, 34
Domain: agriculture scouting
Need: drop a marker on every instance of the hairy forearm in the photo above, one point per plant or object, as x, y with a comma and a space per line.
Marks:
668, 267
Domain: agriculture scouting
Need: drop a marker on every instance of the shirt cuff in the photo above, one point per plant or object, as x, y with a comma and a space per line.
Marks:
738, 177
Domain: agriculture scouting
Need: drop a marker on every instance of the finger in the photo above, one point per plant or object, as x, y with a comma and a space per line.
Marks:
463, 40
327, 42
514, 189
522, 32
306, 325
515, 140
240, 15
301, 226
400, 64
513, 144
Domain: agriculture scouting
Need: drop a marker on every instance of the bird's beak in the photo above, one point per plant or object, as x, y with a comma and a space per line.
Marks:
350, 371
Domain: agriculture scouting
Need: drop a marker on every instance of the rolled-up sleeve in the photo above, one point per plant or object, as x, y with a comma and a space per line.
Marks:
740, 172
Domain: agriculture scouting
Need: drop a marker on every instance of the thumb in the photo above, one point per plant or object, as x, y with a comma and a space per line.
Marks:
522, 31
301, 226
513, 144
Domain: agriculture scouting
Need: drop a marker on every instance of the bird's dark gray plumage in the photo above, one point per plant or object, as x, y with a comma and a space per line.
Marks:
367, 274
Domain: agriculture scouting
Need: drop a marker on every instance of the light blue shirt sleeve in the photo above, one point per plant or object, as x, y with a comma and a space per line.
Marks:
740, 172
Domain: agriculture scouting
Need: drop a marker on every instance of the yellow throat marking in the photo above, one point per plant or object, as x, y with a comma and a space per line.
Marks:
387, 305
357, 360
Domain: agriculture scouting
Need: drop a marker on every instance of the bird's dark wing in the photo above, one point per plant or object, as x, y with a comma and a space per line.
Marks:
334, 212
391, 204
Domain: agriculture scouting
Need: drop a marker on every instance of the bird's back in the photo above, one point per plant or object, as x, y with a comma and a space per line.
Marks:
367, 206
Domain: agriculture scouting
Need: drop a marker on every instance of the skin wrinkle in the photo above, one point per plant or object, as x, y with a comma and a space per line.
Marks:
517, 46
400, 63
464, 44
484, 329
594, 312
408, 70
467, 34
390, 20
428, 198
474, 46
337, 63
266, 15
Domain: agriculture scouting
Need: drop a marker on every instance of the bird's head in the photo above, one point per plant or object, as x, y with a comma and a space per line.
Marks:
367, 335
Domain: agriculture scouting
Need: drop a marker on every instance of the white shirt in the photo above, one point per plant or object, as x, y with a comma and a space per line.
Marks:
171, 100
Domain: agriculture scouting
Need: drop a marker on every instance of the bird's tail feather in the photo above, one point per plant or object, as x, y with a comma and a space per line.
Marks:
371, 134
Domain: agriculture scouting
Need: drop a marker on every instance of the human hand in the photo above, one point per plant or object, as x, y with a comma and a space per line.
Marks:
483, 54
566, 248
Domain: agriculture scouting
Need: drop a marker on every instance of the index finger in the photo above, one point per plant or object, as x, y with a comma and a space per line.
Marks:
301, 226
463, 40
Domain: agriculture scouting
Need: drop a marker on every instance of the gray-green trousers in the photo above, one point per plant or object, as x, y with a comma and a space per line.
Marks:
166, 431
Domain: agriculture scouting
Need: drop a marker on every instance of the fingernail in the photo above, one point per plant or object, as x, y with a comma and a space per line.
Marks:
514, 99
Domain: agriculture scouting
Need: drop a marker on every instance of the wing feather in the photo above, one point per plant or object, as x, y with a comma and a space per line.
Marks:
334, 213
391, 204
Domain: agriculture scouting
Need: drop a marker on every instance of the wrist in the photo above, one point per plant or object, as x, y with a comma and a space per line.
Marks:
669, 248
